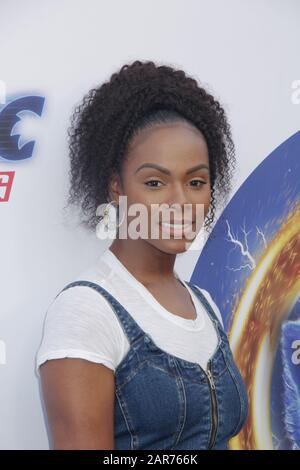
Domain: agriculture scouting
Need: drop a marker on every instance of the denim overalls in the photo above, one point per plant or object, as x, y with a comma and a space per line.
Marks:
163, 402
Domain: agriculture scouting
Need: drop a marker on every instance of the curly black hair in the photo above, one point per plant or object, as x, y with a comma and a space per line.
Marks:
141, 94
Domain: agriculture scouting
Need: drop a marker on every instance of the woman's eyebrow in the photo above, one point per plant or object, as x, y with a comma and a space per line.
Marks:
166, 171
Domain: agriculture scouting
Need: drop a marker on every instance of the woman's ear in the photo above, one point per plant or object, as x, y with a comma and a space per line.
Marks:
115, 188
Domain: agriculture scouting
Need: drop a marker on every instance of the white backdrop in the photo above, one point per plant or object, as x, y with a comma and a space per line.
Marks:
245, 52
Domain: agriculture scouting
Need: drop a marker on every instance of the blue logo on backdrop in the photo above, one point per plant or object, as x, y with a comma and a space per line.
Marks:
10, 115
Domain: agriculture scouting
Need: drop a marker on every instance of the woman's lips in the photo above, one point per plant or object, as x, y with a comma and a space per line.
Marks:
176, 229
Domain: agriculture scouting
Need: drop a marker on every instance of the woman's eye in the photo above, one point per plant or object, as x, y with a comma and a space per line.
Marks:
152, 181
152, 184
198, 181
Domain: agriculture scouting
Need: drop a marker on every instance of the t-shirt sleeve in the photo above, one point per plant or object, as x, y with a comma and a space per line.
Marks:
213, 304
80, 323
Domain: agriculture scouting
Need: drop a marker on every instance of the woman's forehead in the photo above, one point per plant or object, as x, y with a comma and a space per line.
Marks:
159, 140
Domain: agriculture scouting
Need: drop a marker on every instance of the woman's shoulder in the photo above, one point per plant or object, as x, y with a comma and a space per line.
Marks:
78, 293
79, 322
78, 300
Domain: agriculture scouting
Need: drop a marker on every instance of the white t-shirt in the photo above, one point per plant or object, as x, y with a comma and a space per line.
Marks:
81, 323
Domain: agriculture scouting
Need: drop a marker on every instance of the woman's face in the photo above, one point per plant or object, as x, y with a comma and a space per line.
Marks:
166, 165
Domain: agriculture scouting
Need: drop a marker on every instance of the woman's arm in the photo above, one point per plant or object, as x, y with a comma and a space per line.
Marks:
79, 400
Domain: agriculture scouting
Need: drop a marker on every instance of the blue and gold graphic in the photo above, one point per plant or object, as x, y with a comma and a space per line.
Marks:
251, 266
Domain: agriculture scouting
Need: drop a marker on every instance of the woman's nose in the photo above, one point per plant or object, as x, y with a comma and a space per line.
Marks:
179, 197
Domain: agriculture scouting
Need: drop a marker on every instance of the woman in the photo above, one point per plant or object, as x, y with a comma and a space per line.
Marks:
133, 356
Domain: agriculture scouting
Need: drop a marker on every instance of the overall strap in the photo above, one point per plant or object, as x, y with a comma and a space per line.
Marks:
206, 304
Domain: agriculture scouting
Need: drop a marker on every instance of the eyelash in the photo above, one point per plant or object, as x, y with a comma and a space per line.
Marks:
157, 181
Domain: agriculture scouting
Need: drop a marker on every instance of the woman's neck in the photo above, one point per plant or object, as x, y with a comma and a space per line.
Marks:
144, 261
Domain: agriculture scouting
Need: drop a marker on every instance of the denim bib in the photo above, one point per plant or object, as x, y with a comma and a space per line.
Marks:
163, 402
